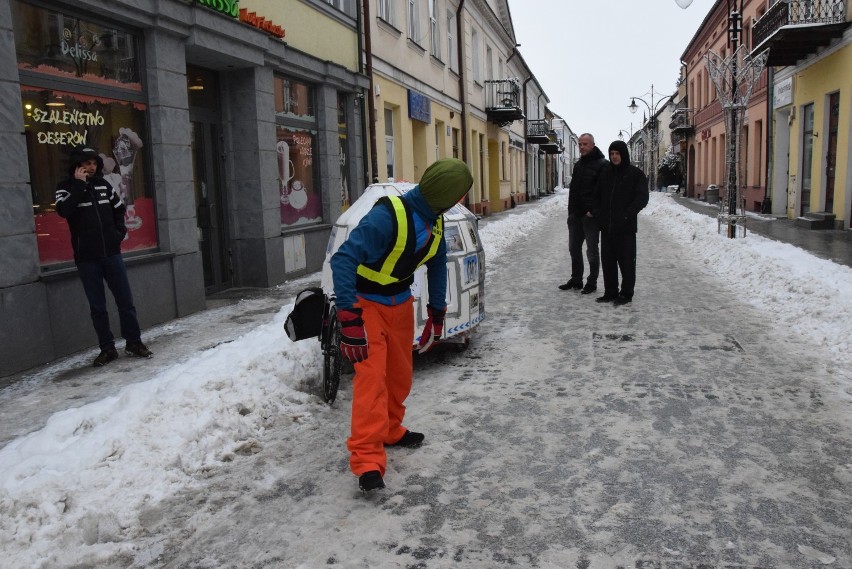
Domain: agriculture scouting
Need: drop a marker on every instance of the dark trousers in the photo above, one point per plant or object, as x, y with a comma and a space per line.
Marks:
586, 229
618, 252
112, 270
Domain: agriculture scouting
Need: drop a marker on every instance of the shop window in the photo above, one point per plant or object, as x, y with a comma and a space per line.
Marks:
296, 133
343, 141
55, 122
59, 45
80, 86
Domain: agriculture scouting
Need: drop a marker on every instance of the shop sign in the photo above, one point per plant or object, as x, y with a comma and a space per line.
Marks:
232, 8
227, 7
419, 107
706, 133
252, 19
68, 118
783, 95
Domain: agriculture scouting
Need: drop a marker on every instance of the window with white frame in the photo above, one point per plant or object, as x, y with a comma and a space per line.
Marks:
414, 20
474, 54
345, 6
385, 11
434, 36
451, 40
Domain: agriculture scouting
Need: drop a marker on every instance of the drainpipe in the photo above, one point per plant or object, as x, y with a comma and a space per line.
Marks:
766, 206
462, 97
371, 103
526, 144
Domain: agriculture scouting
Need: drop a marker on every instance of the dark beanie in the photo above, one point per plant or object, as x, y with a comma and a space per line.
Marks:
444, 183
80, 154
620, 147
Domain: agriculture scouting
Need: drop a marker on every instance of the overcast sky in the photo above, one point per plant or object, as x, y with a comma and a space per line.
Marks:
591, 56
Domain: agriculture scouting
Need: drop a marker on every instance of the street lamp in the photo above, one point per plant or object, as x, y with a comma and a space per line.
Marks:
652, 117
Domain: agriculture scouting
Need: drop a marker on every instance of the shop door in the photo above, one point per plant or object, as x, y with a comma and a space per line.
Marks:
210, 204
807, 158
831, 155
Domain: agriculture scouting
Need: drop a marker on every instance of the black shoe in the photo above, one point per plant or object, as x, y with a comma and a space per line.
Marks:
137, 349
409, 440
622, 300
606, 298
571, 284
370, 481
589, 288
105, 357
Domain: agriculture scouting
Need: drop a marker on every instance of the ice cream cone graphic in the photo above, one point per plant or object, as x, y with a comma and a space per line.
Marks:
125, 149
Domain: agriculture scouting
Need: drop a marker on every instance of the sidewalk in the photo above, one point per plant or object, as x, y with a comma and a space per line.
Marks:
834, 245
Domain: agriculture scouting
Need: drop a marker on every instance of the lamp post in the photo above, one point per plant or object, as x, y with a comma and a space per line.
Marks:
623, 133
652, 118
735, 31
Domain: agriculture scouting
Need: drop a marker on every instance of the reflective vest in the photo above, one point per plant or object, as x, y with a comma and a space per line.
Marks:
394, 271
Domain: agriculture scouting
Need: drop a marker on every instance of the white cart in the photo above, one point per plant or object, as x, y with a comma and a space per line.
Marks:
465, 280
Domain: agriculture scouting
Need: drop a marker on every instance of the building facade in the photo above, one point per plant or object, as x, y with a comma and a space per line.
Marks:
233, 150
706, 144
810, 58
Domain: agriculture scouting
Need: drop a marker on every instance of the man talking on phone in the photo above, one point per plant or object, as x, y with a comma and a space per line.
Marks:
95, 215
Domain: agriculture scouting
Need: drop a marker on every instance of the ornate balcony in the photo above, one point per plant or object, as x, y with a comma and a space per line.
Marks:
795, 29
554, 146
538, 131
682, 122
502, 101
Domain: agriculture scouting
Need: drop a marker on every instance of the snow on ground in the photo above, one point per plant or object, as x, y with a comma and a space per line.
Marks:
90, 470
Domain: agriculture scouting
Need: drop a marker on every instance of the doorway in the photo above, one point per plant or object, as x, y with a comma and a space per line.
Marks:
210, 203
831, 155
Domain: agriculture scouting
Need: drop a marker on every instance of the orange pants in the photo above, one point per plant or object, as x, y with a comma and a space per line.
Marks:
381, 384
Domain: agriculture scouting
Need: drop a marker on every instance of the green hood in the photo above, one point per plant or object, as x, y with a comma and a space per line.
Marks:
444, 183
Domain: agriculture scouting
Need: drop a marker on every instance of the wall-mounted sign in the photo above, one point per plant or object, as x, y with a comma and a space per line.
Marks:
229, 7
783, 95
419, 107
232, 8
705, 134
252, 19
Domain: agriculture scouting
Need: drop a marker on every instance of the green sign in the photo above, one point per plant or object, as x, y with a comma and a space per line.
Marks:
229, 7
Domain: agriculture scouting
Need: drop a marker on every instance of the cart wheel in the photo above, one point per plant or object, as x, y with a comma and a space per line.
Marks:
332, 360
462, 346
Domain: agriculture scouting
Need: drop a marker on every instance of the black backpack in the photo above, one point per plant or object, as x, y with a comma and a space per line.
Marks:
305, 321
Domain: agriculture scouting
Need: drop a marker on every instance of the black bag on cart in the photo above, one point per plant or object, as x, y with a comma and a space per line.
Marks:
305, 321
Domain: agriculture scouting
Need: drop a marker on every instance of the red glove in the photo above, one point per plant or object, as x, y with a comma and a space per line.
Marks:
433, 328
353, 337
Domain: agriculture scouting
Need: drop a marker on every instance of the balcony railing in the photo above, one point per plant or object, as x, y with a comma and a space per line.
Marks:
554, 146
682, 121
503, 100
538, 131
794, 29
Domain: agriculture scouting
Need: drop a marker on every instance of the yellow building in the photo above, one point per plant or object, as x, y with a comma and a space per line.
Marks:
810, 52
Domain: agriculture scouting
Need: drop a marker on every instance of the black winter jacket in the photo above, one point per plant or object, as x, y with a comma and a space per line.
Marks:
95, 215
582, 197
622, 194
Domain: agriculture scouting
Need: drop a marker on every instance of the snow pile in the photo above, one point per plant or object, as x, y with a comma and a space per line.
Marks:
497, 235
83, 478
809, 295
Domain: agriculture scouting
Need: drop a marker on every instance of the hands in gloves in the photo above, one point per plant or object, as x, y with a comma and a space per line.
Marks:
433, 328
353, 337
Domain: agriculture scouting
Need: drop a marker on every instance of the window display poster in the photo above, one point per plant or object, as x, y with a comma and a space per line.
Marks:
54, 123
301, 201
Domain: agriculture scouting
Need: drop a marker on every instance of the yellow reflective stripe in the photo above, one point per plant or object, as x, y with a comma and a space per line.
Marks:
438, 232
401, 236
383, 276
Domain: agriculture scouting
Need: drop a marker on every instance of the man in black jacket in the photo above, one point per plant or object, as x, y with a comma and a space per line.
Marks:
622, 193
582, 226
95, 215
